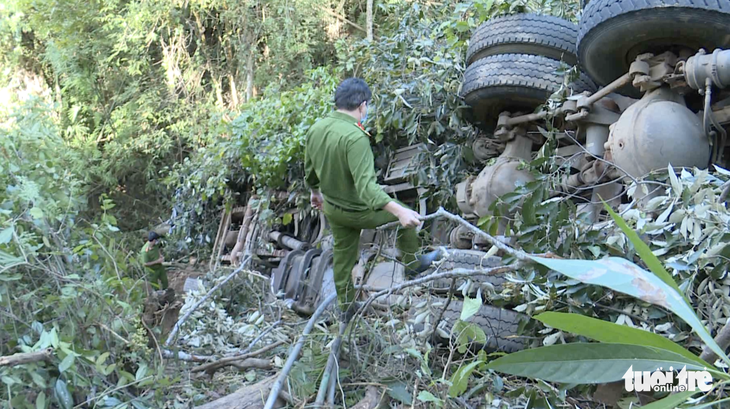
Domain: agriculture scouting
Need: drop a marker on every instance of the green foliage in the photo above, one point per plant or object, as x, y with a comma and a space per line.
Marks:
69, 284
584, 363
609, 332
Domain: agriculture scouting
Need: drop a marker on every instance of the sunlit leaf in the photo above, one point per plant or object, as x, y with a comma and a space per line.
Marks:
606, 331
626, 277
588, 363
460, 379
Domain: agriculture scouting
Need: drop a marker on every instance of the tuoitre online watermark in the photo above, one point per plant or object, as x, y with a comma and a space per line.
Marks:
664, 381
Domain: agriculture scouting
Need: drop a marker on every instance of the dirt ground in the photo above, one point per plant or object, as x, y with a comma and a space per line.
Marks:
165, 317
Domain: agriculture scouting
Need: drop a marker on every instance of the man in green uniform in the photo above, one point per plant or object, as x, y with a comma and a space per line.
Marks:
152, 259
340, 171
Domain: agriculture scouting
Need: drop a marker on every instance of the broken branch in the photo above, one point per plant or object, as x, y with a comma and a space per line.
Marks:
273, 395
214, 366
182, 319
441, 213
26, 358
459, 272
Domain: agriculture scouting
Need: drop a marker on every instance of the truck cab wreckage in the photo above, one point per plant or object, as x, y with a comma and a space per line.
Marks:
648, 90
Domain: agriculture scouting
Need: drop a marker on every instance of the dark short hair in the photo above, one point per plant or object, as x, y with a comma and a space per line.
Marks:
351, 93
152, 236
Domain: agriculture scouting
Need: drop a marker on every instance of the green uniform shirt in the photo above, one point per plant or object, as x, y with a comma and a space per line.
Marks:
151, 253
339, 162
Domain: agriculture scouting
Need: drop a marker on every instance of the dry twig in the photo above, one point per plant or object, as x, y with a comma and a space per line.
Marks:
26, 358
210, 368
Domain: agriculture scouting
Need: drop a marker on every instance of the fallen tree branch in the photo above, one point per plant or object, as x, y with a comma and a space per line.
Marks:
184, 356
210, 368
273, 395
26, 357
723, 341
456, 273
441, 213
182, 319
258, 338
324, 386
248, 397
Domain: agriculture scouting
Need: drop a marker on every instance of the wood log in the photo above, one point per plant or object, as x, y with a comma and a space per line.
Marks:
248, 397
26, 358
213, 366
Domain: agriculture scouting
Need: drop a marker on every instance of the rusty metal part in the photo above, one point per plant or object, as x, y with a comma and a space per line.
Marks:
318, 284
656, 131
463, 196
714, 131
485, 149
404, 163
273, 253
461, 238
502, 177
650, 71
285, 240
585, 104
703, 66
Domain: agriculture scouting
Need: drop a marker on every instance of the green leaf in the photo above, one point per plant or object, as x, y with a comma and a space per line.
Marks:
38, 379
460, 379
40, 402
141, 372
7, 380
470, 307
626, 277
62, 395
584, 363
286, 219
605, 331
102, 358
645, 252
66, 363
426, 396
6, 235
467, 333
398, 391
37, 213
715, 404
671, 401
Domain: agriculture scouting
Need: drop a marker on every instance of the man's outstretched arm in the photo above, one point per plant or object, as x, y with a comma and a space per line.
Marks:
362, 166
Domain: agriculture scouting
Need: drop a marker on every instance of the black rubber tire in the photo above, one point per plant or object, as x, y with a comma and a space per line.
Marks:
532, 34
613, 32
515, 83
470, 259
500, 325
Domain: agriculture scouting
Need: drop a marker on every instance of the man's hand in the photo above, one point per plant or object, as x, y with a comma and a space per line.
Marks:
407, 217
317, 200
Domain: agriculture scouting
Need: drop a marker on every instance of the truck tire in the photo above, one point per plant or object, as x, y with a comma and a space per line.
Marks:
470, 259
613, 32
513, 82
499, 325
531, 34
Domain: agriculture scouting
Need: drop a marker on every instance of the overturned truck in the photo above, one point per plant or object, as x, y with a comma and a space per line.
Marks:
647, 90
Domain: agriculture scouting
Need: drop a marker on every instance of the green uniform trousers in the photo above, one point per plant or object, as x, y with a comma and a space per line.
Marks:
346, 228
158, 277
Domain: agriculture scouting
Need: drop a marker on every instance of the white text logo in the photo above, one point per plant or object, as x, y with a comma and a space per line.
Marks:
659, 381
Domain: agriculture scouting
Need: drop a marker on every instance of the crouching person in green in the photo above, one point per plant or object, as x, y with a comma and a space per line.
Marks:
340, 172
152, 259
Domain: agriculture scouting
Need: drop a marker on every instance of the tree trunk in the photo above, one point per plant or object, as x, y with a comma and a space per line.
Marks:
250, 72
370, 20
248, 397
